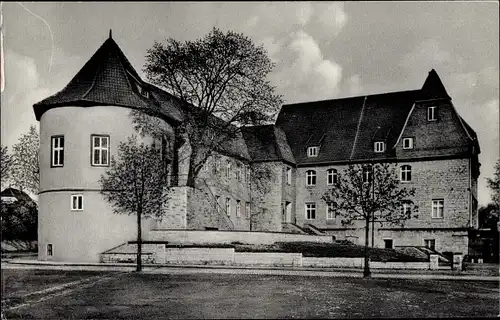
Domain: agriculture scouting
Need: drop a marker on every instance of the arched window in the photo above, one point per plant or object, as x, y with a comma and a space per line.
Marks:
310, 178
331, 177
405, 173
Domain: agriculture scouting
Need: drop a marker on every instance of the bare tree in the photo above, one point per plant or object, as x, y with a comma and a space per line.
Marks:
136, 183
371, 193
25, 165
221, 83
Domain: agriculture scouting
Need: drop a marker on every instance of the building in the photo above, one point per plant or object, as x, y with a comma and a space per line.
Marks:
81, 126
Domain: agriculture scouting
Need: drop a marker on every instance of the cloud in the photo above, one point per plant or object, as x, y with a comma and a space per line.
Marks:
302, 71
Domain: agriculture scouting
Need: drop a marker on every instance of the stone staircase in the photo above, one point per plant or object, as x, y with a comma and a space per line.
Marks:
292, 228
312, 229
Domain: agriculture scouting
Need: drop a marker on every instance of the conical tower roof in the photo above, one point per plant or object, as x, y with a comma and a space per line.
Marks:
107, 78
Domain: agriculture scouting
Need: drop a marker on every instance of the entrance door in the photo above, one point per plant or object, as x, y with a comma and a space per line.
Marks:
388, 243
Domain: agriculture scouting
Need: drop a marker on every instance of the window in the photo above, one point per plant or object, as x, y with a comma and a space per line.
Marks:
437, 208
238, 173
310, 178
228, 169
312, 151
228, 206
406, 208
247, 209
217, 204
50, 252
100, 150
405, 173
238, 208
388, 243
367, 174
247, 174
76, 202
331, 177
288, 175
379, 146
57, 152
430, 243
216, 165
407, 143
330, 211
431, 114
310, 211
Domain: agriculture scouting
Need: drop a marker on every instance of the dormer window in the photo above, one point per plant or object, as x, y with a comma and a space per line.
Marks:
143, 92
407, 143
379, 146
312, 151
432, 113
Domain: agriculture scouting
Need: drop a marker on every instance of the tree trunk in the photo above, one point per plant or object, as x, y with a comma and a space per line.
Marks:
366, 271
139, 242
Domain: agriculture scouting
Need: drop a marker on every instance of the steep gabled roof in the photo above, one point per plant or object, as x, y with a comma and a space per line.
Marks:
338, 122
108, 78
267, 143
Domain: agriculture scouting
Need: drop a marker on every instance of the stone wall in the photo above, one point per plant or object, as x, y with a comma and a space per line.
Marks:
267, 196
250, 237
175, 209
277, 259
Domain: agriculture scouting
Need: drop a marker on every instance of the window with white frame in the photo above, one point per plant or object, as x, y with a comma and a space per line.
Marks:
407, 143
430, 243
379, 146
405, 171
310, 211
247, 209
331, 177
367, 174
228, 206
310, 178
330, 211
217, 204
76, 202
228, 169
238, 208
312, 151
438, 208
100, 150
431, 113
57, 151
406, 208
50, 251
288, 175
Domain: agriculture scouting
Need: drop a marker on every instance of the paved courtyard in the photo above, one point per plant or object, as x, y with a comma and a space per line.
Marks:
45, 294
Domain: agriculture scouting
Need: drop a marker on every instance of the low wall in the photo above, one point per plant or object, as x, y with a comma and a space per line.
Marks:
333, 262
222, 256
400, 265
268, 259
250, 237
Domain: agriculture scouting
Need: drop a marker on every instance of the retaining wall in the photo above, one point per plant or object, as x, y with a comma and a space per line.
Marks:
220, 236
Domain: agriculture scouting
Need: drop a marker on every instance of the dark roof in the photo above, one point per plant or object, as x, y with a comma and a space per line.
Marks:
433, 88
333, 125
108, 78
267, 143
18, 194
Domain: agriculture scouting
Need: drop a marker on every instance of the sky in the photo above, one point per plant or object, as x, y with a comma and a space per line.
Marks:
322, 50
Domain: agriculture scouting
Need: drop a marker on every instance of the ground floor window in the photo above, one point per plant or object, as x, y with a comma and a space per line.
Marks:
76, 202
430, 243
50, 253
310, 211
388, 244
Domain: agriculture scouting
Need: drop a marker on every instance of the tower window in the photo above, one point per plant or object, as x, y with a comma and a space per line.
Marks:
76, 202
100, 150
57, 151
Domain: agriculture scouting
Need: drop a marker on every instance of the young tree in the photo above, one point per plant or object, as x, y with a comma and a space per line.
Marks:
19, 223
494, 185
371, 193
25, 167
5, 164
220, 81
136, 183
